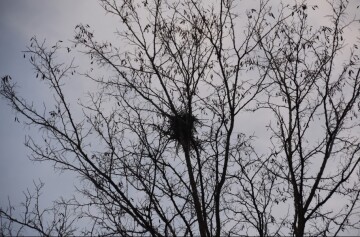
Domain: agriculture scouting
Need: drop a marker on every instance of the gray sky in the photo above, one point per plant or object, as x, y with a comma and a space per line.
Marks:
53, 20
19, 21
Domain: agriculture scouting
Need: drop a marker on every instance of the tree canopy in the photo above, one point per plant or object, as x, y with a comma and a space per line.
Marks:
162, 148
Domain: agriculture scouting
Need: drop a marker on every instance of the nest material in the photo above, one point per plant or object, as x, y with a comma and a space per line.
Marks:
182, 128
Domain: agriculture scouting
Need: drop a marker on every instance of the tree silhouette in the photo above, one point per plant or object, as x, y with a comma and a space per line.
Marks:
159, 147
314, 99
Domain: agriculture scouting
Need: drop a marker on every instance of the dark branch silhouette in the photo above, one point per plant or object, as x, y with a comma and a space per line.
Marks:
159, 146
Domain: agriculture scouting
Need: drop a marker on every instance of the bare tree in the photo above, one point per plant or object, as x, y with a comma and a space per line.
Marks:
169, 149
58, 220
158, 145
314, 99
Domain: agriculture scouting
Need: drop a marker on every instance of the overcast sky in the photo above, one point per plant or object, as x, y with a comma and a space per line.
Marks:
19, 21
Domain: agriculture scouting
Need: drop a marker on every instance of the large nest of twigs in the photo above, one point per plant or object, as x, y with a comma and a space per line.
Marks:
182, 129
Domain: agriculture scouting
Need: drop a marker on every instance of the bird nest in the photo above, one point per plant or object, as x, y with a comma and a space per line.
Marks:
182, 129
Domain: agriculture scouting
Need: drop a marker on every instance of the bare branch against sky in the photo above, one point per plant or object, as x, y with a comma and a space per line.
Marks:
180, 118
